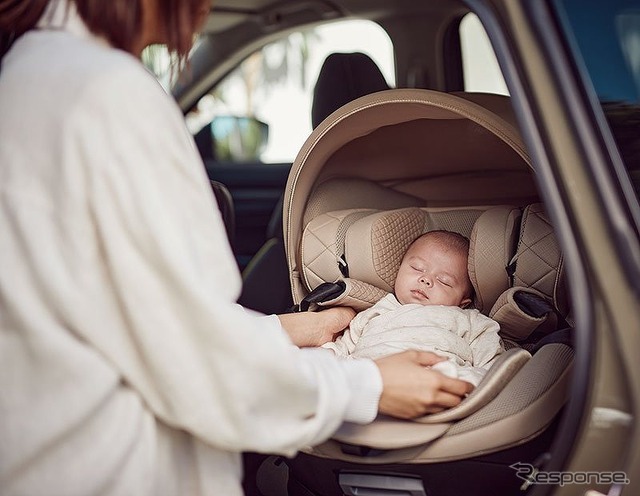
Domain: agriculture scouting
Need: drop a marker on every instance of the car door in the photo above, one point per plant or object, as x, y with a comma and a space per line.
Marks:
572, 68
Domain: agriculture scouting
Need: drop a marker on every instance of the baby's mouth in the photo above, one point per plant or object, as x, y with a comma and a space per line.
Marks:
419, 294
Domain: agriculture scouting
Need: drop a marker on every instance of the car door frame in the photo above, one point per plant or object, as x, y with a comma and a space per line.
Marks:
573, 170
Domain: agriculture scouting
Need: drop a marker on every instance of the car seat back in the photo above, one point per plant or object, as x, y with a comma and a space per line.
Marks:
366, 246
227, 209
344, 77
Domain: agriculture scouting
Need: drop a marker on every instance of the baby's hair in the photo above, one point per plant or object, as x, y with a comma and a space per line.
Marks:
450, 239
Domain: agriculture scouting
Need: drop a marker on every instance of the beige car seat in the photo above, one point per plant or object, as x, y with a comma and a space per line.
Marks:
371, 178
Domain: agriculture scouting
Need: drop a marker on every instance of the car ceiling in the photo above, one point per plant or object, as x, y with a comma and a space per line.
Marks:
237, 27
229, 13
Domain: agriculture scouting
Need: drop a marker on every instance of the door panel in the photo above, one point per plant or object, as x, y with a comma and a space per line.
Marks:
256, 189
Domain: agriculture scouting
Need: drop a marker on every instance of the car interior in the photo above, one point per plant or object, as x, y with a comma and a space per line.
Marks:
343, 77
375, 173
383, 163
375, 148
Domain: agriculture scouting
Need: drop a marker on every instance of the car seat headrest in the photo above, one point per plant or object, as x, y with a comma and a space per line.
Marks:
344, 77
368, 245
515, 264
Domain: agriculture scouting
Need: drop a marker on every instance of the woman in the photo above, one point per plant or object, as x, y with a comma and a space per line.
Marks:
127, 366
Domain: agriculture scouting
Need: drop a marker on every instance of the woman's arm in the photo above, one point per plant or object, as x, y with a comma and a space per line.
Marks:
316, 328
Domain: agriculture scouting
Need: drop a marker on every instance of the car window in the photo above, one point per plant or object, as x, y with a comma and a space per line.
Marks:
606, 40
275, 84
480, 67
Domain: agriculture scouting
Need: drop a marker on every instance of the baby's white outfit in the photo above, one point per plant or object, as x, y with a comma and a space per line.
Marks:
466, 337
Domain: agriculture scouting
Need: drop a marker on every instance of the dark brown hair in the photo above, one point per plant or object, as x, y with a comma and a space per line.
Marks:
120, 21
450, 239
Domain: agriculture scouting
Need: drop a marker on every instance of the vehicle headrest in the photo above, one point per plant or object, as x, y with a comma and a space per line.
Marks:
344, 77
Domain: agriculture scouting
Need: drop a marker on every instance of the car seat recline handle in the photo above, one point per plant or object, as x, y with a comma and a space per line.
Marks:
354, 484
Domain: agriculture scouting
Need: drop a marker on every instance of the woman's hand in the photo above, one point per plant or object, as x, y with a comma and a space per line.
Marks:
410, 389
316, 328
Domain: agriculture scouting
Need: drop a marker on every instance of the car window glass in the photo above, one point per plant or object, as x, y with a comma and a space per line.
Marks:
275, 84
479, 64
606, 40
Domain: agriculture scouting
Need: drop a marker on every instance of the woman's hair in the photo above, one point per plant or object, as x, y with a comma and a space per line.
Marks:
120, 21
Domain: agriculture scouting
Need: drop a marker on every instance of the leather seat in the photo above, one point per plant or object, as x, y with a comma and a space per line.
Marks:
227, 209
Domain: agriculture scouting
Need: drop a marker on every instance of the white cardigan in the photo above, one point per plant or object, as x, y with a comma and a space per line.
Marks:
127, 368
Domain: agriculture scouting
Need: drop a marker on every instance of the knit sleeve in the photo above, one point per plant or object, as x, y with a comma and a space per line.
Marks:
165, 284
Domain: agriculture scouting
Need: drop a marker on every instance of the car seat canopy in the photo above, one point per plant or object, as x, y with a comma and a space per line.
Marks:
404, 148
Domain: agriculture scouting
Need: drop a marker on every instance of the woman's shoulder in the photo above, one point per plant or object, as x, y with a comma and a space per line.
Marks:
72, 67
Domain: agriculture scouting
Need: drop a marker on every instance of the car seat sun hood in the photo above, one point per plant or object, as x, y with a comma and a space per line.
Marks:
417, 147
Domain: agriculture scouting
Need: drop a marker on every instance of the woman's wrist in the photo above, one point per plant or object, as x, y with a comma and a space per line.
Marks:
315, 328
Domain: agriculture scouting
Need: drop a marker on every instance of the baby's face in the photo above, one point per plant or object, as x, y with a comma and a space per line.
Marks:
432, 274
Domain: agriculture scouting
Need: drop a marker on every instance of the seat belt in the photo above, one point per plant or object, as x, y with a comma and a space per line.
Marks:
325, 292
348, 292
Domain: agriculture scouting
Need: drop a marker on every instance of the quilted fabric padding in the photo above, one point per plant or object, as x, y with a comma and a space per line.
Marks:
371, 242
391, 235
538, 260
320, 251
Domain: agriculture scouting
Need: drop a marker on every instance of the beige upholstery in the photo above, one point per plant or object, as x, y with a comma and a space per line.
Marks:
525, 407
538, 260
491, 247
371, 243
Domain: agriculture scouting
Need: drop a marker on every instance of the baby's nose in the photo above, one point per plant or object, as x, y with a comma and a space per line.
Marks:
425, 280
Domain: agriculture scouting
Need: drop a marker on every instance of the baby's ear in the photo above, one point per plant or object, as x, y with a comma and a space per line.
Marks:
465, 303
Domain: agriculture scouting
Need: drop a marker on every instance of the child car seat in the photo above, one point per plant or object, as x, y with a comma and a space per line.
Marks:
384, 169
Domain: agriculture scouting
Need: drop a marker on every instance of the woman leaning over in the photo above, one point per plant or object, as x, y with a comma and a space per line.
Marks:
127, 367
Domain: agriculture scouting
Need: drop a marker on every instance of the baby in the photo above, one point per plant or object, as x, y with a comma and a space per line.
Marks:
428, 312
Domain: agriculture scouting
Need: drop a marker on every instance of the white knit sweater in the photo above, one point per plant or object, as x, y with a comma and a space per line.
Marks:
127, 368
